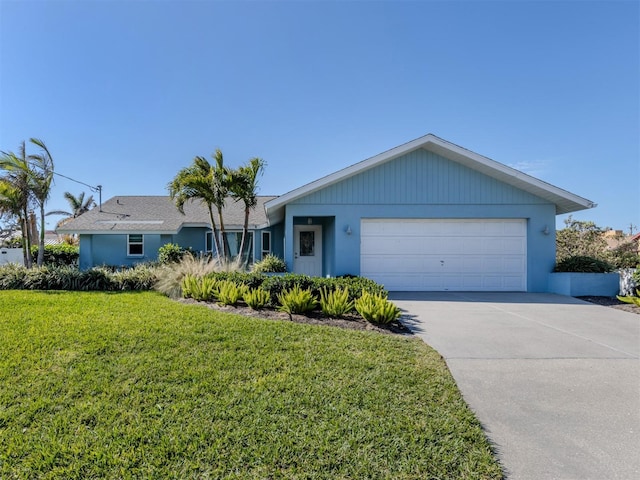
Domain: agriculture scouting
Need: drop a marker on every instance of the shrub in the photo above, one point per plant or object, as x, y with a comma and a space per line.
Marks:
376, 308
297, 300
200, 289
171, 253
335, 303
58, 254
12, 276
229, 293
251, 280
95, 279
583, 264
270, 263
256, 298
624, 259
170, 276
141, 277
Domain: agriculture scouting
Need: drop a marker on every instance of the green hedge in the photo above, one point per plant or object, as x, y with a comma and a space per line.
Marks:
58, 254
17, 277
582, 264
277, 284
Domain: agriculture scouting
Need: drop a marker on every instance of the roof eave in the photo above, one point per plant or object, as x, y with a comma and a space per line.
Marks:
566, 202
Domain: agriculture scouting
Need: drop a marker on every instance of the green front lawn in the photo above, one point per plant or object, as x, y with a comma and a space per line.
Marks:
134, 385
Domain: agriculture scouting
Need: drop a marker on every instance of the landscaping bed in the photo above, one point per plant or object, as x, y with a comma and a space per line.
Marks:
350, 321
612, 302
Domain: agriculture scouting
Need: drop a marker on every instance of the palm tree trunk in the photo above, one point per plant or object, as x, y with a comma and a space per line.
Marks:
41, 245
26, 239
245, 228
214, 232
225, 241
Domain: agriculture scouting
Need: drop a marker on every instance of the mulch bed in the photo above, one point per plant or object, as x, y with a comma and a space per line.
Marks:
612, 302
352, 322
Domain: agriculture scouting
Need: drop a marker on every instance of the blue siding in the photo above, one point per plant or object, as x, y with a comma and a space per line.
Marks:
421, 184
194, 237
111, 249
420, 177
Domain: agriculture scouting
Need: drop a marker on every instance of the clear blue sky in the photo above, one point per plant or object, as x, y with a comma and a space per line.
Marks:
126, 93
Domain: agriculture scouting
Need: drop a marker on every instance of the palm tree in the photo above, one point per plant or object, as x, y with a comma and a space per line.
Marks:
243, 187
78, 205
31, 176
11, 205
221, 177
41, 173
196, 182
18, 190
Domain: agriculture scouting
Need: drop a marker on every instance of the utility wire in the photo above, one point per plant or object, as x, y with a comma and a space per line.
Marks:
93, 189
97, 188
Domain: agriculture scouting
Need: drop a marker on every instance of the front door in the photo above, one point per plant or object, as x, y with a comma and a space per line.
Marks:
307, 250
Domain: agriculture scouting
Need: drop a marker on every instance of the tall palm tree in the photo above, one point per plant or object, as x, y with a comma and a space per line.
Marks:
244, 187
196, 182
78, 205
221, 177
32, 175
41, 173
16, 168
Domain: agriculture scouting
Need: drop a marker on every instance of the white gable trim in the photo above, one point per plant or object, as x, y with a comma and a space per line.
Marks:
565, 201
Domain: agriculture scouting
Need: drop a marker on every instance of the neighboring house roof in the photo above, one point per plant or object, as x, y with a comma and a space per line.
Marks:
564, 201
159, 215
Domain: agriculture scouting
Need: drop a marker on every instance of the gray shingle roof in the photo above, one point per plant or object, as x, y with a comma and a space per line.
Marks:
158, 214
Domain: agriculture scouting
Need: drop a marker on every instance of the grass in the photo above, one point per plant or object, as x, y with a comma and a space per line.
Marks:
134, 385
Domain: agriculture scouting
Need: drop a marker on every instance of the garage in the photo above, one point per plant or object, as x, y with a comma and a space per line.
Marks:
445, 254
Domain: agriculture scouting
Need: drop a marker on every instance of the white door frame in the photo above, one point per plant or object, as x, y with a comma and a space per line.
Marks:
307, 261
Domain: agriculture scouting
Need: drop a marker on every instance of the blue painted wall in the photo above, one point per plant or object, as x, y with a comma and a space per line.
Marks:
111, 249
422, 184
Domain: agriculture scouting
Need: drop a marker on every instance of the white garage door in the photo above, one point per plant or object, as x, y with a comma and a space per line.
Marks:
445, 254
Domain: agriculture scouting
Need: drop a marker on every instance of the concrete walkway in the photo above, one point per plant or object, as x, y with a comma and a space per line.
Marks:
555, 381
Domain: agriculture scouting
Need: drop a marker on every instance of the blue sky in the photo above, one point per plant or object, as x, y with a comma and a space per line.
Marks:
126, 93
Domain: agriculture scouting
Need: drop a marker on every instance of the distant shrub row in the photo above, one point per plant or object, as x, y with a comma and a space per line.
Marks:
17, 277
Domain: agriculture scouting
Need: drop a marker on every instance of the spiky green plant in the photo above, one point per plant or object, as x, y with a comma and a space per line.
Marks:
230, 293
201, 289
296, 300
376, 308
256, 298
631, 299
335, 303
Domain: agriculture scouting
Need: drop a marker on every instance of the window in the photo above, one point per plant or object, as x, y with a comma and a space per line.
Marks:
208, 242
135, 245
266, 244
233, 241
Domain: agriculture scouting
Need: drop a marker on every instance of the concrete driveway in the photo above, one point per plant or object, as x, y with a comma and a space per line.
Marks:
554, 380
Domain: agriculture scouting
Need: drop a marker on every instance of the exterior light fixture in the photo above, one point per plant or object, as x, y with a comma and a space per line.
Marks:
348, 230
545, 230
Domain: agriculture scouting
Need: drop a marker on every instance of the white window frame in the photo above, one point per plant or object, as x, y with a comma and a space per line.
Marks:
131, 243
265, 251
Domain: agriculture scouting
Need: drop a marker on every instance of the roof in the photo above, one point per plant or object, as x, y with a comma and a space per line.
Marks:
159, 215
565, 202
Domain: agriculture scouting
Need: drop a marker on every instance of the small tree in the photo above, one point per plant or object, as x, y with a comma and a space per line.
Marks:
580, 238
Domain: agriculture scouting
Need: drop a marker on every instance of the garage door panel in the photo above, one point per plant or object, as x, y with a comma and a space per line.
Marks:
446, 254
